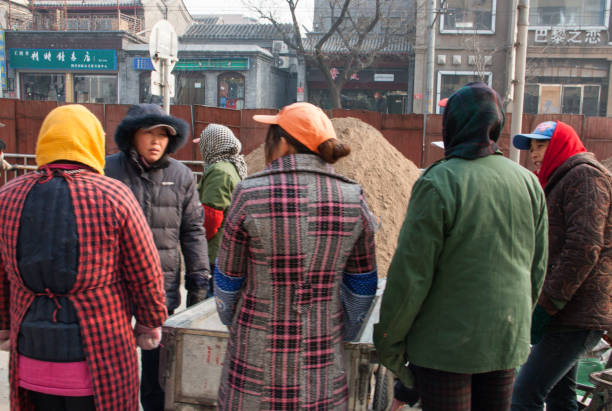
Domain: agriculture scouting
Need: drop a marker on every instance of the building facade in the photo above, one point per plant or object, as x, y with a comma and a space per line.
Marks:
385, 85
264, 76
568, 58
65, 67
15, 14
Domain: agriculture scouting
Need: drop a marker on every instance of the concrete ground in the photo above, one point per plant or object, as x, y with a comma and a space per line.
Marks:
4, 390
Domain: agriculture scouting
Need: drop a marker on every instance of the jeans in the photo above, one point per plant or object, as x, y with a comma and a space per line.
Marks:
549, 375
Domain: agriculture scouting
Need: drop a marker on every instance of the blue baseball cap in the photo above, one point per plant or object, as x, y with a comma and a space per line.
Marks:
544, 131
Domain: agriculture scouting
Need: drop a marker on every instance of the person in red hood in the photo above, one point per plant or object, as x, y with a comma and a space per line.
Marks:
575, 306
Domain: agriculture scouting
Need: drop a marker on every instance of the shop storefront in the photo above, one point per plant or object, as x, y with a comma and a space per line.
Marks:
197, 79
65, 75
377, 89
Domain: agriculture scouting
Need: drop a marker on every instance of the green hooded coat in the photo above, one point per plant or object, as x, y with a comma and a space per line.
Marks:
469, 264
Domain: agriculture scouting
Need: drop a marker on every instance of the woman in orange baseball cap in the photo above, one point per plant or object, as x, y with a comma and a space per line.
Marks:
302, 128
296, 271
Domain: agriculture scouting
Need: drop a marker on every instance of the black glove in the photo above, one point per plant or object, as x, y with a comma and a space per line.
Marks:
195, 296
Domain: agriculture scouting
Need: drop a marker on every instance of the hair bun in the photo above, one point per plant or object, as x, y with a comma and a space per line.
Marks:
332, 150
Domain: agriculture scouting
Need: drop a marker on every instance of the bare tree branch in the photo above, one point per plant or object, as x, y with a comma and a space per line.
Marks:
352, 40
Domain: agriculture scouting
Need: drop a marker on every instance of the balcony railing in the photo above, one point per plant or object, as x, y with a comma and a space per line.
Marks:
101, 22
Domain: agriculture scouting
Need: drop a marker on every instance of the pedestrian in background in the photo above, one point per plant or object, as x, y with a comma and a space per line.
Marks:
4, 165
575, 307
468, 268
224, 167
166, 192
296, 269
77, 260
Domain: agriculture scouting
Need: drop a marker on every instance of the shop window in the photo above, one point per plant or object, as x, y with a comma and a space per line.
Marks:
35, 86
590, 100
571, 100
468, 16
566, 99
189, 88
451, 81
569, 13
383, 101
530, 104
230, 91
95, 89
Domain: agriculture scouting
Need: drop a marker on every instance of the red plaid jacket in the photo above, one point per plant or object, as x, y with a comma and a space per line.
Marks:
119, 275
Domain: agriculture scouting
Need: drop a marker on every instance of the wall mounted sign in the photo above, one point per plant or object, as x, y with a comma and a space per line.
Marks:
142, 63
384, 77
63, 59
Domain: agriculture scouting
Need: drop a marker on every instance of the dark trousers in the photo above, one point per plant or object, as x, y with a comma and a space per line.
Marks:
151, 393
441, 390
549, 375
47, 402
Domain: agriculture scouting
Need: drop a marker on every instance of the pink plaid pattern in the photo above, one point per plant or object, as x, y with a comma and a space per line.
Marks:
290, 234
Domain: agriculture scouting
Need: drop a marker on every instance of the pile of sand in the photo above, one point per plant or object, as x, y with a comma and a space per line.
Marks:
608, 163
384, 173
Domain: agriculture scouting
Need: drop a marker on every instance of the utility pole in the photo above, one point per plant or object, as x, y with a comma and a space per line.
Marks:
432, 15
510, 59
519, 75
431, 51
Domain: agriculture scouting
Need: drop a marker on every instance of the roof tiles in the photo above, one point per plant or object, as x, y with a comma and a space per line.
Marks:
233, 31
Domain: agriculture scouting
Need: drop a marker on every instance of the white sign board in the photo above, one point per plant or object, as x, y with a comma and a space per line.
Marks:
163, 44
156, 84
384, 77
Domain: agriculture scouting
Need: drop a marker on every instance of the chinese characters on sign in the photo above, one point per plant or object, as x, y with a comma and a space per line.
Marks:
67, 59
559, 35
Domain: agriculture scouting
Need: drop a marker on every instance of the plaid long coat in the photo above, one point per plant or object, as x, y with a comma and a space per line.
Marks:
119, 271
296, 237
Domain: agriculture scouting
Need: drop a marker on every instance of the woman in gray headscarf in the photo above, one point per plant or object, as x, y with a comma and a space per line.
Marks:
224, 167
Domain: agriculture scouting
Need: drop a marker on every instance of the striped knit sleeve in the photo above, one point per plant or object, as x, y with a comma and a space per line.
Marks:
360, 277
231, 264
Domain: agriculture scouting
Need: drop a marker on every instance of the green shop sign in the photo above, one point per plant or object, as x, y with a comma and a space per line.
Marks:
212, 64
63, 59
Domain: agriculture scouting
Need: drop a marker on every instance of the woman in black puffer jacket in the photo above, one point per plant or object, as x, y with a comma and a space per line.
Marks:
166, 191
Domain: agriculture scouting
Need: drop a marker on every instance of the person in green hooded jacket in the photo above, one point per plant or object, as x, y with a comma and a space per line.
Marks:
224, 167
468, 268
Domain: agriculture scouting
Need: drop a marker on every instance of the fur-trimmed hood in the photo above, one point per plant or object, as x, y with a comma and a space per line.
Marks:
147, 115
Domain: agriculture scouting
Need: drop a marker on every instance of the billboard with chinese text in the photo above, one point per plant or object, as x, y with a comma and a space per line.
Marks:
63, 59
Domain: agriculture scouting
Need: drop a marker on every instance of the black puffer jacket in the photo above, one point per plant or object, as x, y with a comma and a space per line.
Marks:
169, 199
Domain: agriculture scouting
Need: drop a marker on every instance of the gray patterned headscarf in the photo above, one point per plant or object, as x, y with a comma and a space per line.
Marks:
218, 143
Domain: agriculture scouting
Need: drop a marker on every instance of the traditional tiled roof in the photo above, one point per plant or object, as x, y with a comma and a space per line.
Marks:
87, 3
334, 45
223, 19
206, 19
233, 32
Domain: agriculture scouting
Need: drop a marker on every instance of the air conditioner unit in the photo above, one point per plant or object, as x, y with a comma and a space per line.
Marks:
282, 62
279, 47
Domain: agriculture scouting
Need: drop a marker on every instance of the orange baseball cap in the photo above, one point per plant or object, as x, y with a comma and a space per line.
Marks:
442, 103
305, 122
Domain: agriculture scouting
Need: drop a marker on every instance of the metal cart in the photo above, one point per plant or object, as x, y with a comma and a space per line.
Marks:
193, 350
